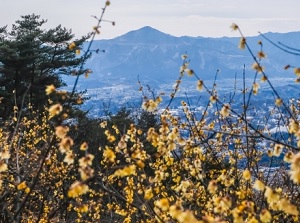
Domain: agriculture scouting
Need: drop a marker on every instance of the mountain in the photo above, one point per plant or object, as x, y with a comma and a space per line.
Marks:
155, 57
146, 35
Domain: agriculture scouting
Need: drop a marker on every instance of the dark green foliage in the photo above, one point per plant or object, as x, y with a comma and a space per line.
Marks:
122, 120
31, 58
146, 121
87, 129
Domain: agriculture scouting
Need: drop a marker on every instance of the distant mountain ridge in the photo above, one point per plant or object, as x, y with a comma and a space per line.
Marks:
155, 57
146, 35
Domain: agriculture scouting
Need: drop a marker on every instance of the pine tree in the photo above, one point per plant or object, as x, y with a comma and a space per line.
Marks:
31, 58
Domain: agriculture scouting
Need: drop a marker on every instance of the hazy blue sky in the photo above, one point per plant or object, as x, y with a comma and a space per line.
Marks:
176, 17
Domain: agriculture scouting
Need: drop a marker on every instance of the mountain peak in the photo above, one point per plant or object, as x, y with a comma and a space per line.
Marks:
145, 34
148, 29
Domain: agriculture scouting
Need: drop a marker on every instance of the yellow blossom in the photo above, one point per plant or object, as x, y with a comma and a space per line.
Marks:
277, 150
271, 195
263, 78
22, 185
158, 99
261, 54
189, 72
234, 27
140, 132
77, 189
293, 126
225, 110
150, 105
278, 102
255, 88
5, 154
288, 157
140, 164
187, 216
103, 124
297, 71
252, 220
3, 166
50, 89
61, 131
84, 146
212, 186
83, 208
65, 144
259, 185
86, 172
109, 154
242, 43
247, 174
148, 194
87, 73
72, 46
270, 153
213, 99
226, 203
199, 85
295, 164
77, 51
86, 161
79, 101
184, 56
27, 190
163, 204
96, 29
257, 67
181, 70
69, 158
297, 134
286, 206
55, 110
126, 171
237, 215
295, 176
